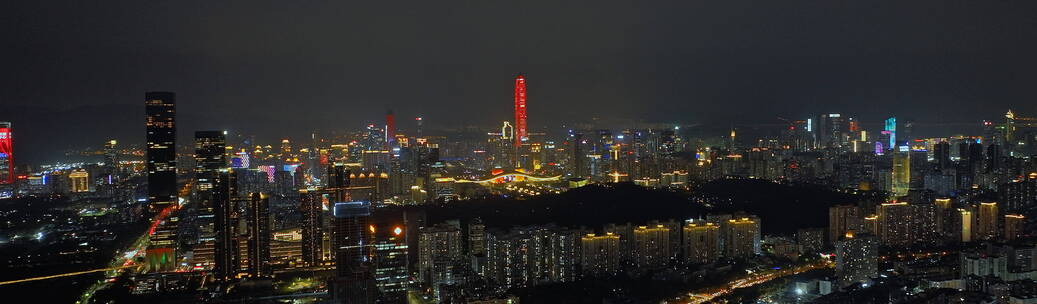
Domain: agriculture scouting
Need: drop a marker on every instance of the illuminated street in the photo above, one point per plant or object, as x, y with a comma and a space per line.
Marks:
706, 295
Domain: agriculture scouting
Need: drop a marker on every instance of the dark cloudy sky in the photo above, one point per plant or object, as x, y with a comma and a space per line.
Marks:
291, 66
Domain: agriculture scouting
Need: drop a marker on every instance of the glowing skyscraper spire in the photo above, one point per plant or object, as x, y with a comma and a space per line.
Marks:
520, 111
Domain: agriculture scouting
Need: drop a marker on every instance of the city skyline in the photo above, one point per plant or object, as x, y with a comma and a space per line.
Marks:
690, 63
535, 151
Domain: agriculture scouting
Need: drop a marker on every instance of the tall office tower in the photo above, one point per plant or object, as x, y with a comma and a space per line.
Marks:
209, 157
964, 223
895, 224
311, 206
225, 223
701, 242
652, 246
600, 254
856, 259
390, 130
841, 219
900, 183
440, 248
521, 134
891, 131
80, 180
942, 155
995, 160
419, 126
259, 236
986, 228
390, 255
831, 130
111, 162
354, 280
6, 154
741, 237
1014, 226
577, 155
160, 108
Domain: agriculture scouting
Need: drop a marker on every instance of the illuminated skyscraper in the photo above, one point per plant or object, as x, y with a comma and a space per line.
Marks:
521, 134
986, 228
6, 154
259, 236
389, 240
311, 206
209, 158
390, 130
964, 221
354, 279
225, 222
701, 242
901, 179
111, 163
891, 130
80, 180
160, 108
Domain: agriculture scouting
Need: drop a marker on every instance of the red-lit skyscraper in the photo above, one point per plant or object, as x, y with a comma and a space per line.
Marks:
520, 110
6, 154
390, 129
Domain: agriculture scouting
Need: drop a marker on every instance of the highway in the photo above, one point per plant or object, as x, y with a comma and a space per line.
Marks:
706, 295
137, 250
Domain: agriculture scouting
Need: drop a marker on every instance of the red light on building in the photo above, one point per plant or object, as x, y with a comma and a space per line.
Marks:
390, 129
6, 154
520, 111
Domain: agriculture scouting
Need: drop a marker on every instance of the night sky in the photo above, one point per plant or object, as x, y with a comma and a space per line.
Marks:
73, 73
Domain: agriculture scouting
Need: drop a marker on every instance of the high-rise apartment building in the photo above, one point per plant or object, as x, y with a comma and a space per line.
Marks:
895, 224
701, 242
842, 219
652, 246
741, 237
440, 248
1014, 226
856, 259
600, 254
987, 221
